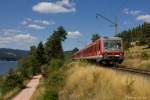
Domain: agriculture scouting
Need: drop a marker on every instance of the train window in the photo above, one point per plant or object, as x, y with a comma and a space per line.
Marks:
116, 45
106, 45
112, 45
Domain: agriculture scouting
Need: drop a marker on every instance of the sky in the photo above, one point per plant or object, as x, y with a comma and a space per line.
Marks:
24, 23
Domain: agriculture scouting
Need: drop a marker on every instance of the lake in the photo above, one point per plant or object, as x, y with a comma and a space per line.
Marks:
6, 65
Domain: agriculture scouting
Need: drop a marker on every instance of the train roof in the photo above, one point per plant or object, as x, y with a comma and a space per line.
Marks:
112, 38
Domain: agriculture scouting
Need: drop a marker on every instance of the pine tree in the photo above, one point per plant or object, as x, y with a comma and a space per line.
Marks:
146, 33
95, 37
40, 54
33, 60
53, 47
140, 33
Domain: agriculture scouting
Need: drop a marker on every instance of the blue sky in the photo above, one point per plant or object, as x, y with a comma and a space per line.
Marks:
27, 22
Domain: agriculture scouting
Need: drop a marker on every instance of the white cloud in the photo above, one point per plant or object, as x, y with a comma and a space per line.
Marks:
127, 11
16, 37
9, 32
145, 18
24, 37
75, 34
63, 6
37, 24
27, 38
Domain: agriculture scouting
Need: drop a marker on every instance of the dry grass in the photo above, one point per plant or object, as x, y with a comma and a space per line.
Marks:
90, 82
137, 49
133, 58
137, 63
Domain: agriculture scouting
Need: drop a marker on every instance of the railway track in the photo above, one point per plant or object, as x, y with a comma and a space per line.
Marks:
127, 69
132, 70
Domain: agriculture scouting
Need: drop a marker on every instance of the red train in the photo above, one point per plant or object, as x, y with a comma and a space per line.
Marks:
106, 50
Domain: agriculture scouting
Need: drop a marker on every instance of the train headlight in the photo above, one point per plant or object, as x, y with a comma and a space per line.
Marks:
121, 55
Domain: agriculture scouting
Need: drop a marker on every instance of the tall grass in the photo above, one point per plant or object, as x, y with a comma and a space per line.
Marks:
137, 57
89, 82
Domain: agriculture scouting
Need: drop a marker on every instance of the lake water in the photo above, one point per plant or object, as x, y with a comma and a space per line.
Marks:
6, 65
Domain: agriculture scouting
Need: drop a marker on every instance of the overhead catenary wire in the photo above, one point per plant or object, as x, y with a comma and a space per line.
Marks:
114, 23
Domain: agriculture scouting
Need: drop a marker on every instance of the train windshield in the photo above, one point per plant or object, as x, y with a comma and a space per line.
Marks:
112, 45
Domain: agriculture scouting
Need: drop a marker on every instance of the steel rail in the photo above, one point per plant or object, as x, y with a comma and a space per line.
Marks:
132, 70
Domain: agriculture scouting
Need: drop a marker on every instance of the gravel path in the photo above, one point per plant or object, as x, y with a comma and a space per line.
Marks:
26, 93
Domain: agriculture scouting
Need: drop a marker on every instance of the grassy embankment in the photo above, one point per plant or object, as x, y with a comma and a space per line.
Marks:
83, 81
138, 57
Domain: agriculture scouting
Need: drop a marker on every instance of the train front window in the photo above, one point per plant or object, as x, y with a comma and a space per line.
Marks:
106, 45
116, 45
112, 45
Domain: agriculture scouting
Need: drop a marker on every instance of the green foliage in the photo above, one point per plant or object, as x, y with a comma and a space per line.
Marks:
40, 54
53, 45
95, 37
15, 54
38, 60
25, 68
55, 64
50, 94
140, 33
144, 56
68, 55
33, 61
12, 81
54, 80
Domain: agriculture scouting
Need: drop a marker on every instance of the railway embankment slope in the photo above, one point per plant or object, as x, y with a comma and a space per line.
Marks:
137, 57
84, 81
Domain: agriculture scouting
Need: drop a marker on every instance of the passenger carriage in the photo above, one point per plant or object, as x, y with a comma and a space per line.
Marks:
104, 50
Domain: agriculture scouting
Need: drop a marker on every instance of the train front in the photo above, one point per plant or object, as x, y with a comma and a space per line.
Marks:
112, 50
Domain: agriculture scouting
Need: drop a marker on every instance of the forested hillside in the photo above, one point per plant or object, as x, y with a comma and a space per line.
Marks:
11, 54
140, 35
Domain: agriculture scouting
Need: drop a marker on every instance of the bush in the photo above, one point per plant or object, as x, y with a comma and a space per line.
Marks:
12, 81
144, 56
52, 84
25, 69
50, 94
54, 80
55, 64
44, 70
